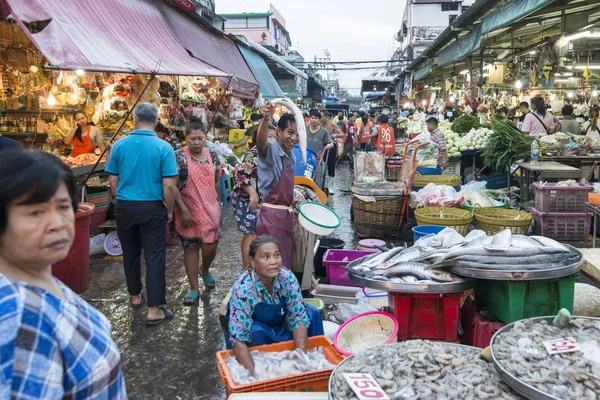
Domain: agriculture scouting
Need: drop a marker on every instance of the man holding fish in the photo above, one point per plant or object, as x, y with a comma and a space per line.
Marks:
275, 183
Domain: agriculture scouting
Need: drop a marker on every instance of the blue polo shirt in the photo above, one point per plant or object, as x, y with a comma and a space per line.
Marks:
141, 160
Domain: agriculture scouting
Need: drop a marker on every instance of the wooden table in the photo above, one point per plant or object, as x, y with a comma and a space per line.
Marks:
585, 163
548, 170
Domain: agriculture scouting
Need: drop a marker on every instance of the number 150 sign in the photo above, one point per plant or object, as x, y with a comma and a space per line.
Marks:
365, 387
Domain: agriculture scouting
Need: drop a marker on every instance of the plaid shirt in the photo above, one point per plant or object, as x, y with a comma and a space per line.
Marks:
438, 138
53, 348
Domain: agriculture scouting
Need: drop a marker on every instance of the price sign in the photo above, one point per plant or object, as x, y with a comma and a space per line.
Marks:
365, 387
564, 345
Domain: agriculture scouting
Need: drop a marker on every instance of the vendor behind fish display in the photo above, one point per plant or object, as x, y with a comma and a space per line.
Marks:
276, 164
265, 305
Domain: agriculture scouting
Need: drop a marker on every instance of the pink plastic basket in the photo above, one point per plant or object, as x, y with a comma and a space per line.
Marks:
335, 259
568, 227
552, 198
365, 331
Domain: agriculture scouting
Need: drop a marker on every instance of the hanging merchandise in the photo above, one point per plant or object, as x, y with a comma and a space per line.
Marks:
235, 109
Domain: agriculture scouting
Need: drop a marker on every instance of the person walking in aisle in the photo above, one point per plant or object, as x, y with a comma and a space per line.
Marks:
143, 176
350, 130
198, 211
336, 133
319, 140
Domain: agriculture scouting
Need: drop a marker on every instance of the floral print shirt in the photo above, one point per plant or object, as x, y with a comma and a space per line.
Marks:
247, 174
248, 291
182, 166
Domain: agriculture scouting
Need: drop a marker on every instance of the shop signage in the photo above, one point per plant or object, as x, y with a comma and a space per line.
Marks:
184, 4
365, 386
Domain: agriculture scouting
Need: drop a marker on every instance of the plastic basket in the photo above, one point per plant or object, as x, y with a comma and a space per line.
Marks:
427, 315
335, 259
567, 227
497, 181
424, 180
511, 301
97, 195
314, 381
379, 218
478, 331
365, 331
455, 218
453, 168
552, 198
494, 220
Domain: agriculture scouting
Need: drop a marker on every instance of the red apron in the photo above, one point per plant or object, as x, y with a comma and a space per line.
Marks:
85, 147
200, 197
275, 216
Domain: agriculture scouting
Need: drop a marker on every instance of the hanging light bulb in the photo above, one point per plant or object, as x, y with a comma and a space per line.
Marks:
51, 100
518, 84
595, 93
424, 102
570, 95
79, 72
452, 99
552, 97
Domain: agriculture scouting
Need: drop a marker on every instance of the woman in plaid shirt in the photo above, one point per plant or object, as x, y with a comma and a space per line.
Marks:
53, 345
437, 137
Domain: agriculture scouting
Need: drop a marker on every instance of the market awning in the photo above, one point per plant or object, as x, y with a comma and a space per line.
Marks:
106, 35
273, 57
509, 13
422, 72
216, 50
269, 88
461, 48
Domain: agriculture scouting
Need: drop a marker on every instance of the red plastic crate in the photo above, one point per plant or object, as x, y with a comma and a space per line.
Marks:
99, 216
552, 198
478, 328
567, 227
335, 259
426, 316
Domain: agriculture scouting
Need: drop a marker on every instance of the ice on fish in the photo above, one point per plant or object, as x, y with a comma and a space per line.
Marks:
269, 365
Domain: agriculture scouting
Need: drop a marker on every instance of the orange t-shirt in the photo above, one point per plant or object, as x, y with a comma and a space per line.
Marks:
366, 133
386, 142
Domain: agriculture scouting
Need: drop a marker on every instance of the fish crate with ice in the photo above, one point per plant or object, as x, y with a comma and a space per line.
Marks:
335, 259
426, 315
550, 198
313, 381
514, 300
479, 326
563, 226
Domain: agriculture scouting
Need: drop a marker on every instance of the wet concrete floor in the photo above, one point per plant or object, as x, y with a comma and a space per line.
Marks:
176, 360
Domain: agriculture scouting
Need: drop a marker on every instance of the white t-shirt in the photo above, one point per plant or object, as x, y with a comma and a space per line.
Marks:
588, 131
95, 135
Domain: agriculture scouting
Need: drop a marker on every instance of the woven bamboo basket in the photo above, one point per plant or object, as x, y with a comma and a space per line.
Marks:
377, 219
392, 173
455, 218
494, 220
423, 180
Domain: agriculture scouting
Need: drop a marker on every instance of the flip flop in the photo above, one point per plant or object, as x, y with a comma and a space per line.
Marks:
168, 316
209, 280
140, 305
193, 296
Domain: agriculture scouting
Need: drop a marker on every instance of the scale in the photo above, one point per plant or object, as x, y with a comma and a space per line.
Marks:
112, 244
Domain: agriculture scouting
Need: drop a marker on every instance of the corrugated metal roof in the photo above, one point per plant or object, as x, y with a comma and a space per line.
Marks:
107, 35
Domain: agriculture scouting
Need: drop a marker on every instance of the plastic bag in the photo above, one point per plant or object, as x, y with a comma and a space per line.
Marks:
434, 195
224, 153
347, 311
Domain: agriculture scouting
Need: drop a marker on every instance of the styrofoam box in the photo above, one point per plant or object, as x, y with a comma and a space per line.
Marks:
337, 294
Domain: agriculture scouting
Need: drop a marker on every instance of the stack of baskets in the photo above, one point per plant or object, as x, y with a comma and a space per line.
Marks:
378, 209
98, 195
560, 211
494, 220
455, 218
423, 180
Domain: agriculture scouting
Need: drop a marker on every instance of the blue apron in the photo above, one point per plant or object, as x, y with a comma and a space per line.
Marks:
268, 324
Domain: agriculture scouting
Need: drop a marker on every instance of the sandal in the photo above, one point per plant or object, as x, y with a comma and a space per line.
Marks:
191, 298
140, 305
168, 316
209, 280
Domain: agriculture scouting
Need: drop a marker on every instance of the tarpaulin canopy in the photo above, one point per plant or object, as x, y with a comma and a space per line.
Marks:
269, 88
214, 49
461, 48
107, 35
509, 13
422, 72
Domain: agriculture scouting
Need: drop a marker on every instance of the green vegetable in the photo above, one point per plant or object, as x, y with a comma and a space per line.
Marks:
465, 123
506, 145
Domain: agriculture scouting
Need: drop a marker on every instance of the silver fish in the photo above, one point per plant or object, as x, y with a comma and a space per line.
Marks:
410, 266
488, 251
536, 259
544, 241
524, 241
406, 272
510, 267
441, 275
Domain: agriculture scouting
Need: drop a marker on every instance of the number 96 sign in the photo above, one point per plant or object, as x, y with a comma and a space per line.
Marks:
365, 387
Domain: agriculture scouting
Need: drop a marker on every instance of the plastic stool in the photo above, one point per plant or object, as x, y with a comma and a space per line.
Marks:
226, 187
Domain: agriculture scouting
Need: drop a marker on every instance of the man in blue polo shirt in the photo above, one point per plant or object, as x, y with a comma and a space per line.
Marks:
143, 175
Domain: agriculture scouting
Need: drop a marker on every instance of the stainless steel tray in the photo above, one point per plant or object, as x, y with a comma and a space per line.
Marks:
517, 385
448, 287
520, 275
476, 352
